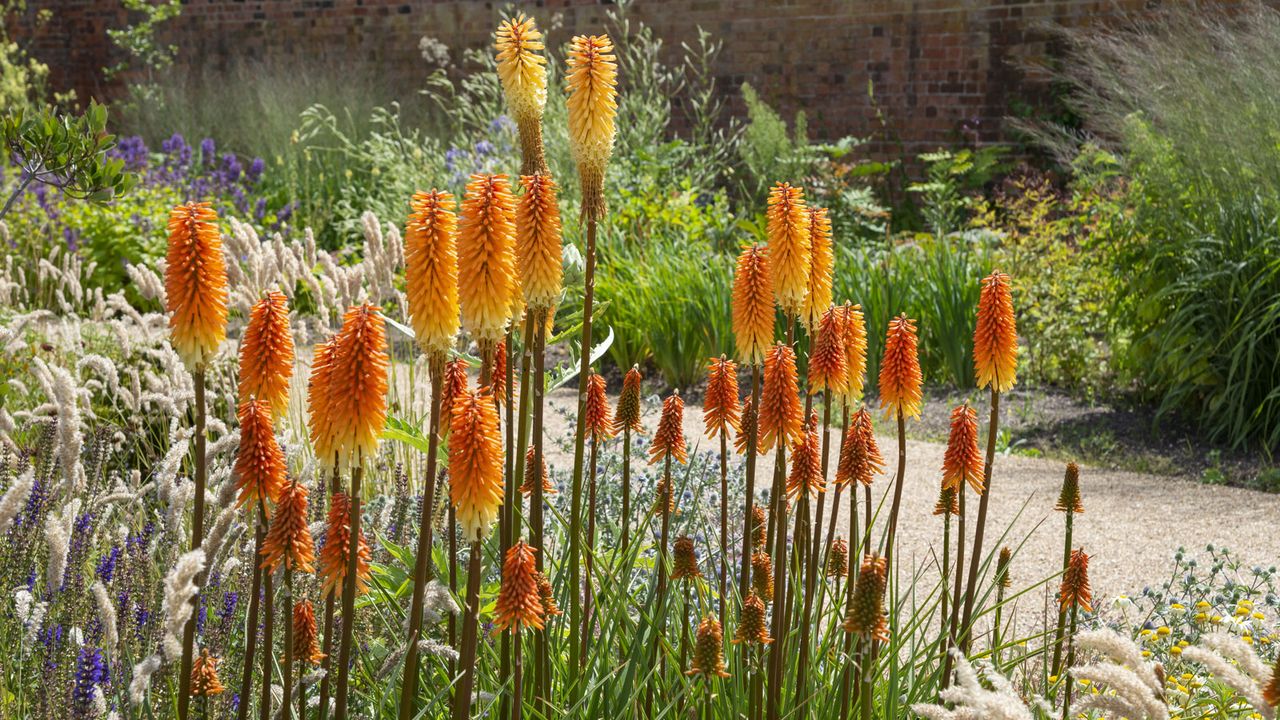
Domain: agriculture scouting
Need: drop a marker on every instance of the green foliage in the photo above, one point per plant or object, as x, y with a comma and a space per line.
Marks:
770, 153
138, 40
953, 178
23, 78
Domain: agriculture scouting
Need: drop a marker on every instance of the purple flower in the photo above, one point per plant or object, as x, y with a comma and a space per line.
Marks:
107, 565
207, 148
91, 671
254, 173
260, 209
484, 147
133, 151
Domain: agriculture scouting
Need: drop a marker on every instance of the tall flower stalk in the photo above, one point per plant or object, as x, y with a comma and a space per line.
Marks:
600, 427
961, 470
1075, 595
722, 412
855, 350
1069, 503
626, 420
523, 73
288, 545
900, 395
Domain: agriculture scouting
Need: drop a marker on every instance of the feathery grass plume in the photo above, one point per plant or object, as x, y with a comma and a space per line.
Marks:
539, 243
855, 351
519, 602
860, 458
962, 461
787, 225
759, 527
762, 575
1234, 663
752, 627
107, 617
828, 363
1075, 591
358, 384
627, 414
319, 394
142, 673
195, 282
746, 425
204, 676
266, 353
948, 502
431, 271
15, 498
179, 595
599, 423
708, 657
306, 644
900, 379
1069, 500
721, 408
288, 540
538, 474
995, 341
669, 440
523, 73
337, 544
781, 418
475, 464
1271, 693
866, 616
685, 560
260, 464
821, 268
591, 84
1125, 685
838, 560
972, 698
453, 387
486, 257
753, 305
805, 477
548, 596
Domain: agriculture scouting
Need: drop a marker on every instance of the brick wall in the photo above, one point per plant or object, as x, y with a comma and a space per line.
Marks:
937, 66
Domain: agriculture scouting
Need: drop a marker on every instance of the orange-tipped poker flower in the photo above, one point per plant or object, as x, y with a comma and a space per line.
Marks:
306, 641
759, 527
708, 657
337, 544
855, 352
822, 262
288, 540
866, 613
627, 415
204, 676
592, 100
499, 380
486, 257
753, 305
995, 341
266, 353
948, 501
454, 385
195, 283
1069, 500
787, 222
539, 245
599, 424
1075, 589
358, 384
829, 364
721, 408
780, 416
475, 464
431, 271
746, 426
1271, 693
806, 462
762, 575
319, 395
900, 380
523, 73
519, 604
535, 474
547, 595
260, 465
838, 560
668, 442
963, 460
684, 564
860, 458
751, 623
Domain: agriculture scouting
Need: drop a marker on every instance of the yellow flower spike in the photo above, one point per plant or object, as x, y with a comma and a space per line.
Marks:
829, 363
266, 353
539, 243
522, 70
486, 258
900, 379
592, 101
962, 461
195, 283
780, 417
855, 350
431, 271
821, 268
358, 401
306, 641
995, 341
475, 463
753, 305
787, 225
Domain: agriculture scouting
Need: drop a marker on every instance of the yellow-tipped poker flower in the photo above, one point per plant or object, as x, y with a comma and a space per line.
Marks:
669, 441
593, 105
519, 603
288, 540
627, 415
319, 396
900, 379
855, 351
829, 363
838, 560
780, 418
475, 464
753, 305
708, 657
431, 271
195, 284
539, 243
805, 477
860, 458
266, 353
523, 72
948, 501
721, 408
487, 258
866, 616
260, 463
337, 546
995, 341
962, 461
822, 261
358, 384
787, 224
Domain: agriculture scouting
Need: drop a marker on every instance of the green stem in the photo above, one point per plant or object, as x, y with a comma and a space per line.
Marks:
744, 582
1062, 612
197, 537
971, 588
579, 440
341, 692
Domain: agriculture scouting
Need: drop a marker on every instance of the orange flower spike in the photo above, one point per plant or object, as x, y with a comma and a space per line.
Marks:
669, 440
431, 271
499, 385
306, 645
838, 560
260, 463
780, 416
787, 225
684, 565
995, 341
486, 257
855, 350
752, 627
821, 268
828, 365
288, 540
332, 568
1069, 500
753, 306
519, 603
599, 422
547, 595
319, 396
963, 460
358, 400
195, 283
866, 613
266, 353
204, 676
454, 385
806, 462
746, 425
1075, 583
591, 85
532, 474
627, 415
522, 70
475, 464
900, 380
708, 657
721, 407
762, 575
860, 458
539, 243
948, 502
